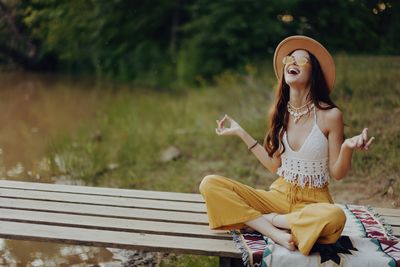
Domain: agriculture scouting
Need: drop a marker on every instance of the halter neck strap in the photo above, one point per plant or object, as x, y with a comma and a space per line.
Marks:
315, 114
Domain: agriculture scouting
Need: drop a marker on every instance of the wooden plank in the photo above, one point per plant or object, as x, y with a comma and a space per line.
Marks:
112, 224
104, 200
104, 211
102, 238
115, 224
103, 191
129, 193
387, 211
395, 221
396, 231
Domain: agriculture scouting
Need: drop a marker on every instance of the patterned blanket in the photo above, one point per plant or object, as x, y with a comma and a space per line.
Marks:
366, 241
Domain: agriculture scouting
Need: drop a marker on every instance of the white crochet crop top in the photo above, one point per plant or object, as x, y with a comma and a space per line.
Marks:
308, 165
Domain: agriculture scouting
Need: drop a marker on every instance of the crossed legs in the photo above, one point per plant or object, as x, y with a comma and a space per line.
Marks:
263, 224
233, 205
277, 220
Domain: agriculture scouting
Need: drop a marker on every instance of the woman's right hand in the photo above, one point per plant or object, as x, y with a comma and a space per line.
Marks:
233, 129
359, 142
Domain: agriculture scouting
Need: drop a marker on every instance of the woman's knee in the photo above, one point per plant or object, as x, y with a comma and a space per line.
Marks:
339, 215
336, 217
207, 181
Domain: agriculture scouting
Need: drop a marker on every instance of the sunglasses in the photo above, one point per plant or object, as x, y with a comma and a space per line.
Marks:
301, 61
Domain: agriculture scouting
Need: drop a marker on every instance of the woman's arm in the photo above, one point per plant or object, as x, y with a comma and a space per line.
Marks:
259, 151
340, 153
272, 164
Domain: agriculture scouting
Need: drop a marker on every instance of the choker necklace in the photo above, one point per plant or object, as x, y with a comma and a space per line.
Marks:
295, 112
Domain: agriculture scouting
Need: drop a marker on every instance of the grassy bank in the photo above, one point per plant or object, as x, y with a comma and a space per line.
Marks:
122, 146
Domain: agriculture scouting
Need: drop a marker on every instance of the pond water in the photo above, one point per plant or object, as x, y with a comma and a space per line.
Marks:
34, 109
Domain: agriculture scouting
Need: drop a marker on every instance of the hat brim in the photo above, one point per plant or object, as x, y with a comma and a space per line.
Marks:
296, 42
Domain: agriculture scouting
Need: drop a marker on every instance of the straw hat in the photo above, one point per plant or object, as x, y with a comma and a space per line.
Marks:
295, 42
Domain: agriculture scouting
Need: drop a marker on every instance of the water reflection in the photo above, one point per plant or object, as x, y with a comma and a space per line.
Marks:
33, 110
28, 253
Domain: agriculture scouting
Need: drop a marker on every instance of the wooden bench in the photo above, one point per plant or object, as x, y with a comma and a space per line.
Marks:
116, 218
119, 218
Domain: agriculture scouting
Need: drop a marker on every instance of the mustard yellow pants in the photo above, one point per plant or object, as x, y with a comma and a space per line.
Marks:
310, 212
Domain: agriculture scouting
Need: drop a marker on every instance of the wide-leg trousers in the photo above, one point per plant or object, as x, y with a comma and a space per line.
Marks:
310, 212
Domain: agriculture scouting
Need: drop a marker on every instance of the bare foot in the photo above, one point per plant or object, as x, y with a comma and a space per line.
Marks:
271, 219
270, 216
284, 239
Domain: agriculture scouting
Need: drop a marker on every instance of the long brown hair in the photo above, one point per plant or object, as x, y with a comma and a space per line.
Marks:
278, 116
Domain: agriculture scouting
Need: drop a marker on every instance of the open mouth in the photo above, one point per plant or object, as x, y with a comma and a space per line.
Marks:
293, 70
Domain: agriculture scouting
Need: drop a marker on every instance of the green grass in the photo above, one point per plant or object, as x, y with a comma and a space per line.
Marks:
135, 126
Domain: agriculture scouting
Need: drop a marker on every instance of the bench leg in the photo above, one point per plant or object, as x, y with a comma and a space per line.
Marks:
230, 262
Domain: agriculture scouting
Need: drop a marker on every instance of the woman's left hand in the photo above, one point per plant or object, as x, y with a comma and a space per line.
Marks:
359, 142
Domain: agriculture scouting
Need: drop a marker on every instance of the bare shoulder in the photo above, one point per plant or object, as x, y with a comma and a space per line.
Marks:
330, 119
334, 115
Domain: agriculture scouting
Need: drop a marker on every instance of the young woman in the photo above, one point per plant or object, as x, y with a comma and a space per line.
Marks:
304, 145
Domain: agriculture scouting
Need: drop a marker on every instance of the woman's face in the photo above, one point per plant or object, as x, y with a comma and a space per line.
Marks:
298, 75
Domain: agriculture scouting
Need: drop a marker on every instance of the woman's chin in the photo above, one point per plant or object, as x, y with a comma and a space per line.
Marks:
295, 82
